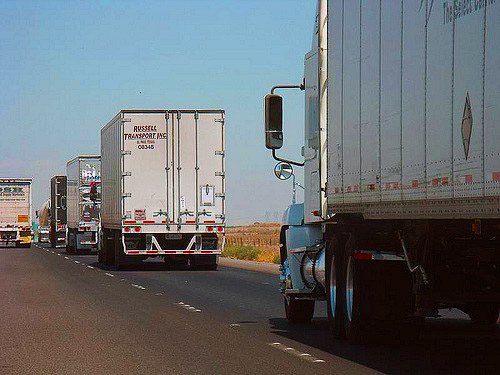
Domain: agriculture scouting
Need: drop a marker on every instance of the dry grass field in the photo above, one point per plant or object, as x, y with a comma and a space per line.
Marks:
259, 241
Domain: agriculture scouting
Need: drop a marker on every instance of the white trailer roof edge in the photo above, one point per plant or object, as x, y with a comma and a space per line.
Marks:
16, 179
165, 111
82, 157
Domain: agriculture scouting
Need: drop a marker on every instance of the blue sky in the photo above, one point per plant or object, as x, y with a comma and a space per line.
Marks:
68, 66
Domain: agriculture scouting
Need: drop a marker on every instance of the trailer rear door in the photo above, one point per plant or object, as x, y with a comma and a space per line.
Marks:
196, 178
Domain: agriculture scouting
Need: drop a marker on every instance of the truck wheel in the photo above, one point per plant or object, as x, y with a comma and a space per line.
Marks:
118, 251
354, 301
333, 292
484, 314
107, 249
298, 310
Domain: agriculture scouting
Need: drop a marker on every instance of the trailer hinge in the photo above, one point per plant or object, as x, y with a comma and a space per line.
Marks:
222, 217
221, 120
219, 174
167, 116
220, 195
196, 115
221, 153
126, 195
178, 115
126, 119
126, 174
126, 152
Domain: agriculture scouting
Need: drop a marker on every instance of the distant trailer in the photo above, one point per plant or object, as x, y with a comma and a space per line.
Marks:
83, 202
163, 186
15, 211
58, 216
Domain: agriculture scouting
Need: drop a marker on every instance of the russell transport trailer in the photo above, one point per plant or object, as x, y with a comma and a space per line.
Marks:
83, 202
58, 216
163, 187
401, 214
15, 211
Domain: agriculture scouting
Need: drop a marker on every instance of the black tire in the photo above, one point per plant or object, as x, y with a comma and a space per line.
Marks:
355, 302
298, 311
119, 260
483, 314
108, 251
334, 295
204, 262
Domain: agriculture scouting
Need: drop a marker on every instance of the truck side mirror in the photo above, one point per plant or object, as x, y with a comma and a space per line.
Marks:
273, 107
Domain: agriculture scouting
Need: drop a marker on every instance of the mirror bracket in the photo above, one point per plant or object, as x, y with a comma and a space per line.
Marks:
273, 89
277, 158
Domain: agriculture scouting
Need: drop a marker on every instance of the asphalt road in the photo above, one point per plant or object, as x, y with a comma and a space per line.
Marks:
66, 314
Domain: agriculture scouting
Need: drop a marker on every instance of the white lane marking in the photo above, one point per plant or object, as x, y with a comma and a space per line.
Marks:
51, 251
66, 258
58, 254
234, 325
295, 352
77, 262
138, 286
109, 274
182, 304
158, 294
90, 267
123, 279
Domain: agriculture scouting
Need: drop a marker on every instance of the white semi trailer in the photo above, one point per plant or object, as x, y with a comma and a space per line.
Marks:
83, 203
15, 211
401, 214
163, 187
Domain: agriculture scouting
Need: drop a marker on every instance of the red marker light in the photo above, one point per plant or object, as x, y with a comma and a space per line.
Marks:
137, 229
210, 229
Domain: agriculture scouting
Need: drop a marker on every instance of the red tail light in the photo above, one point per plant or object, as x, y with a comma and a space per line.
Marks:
137, 229
210, 229
220, 229
126, 229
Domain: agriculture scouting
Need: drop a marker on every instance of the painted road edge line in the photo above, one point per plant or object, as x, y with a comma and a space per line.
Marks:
295, 352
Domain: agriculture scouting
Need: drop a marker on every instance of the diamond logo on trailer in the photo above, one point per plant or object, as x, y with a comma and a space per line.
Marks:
467, 122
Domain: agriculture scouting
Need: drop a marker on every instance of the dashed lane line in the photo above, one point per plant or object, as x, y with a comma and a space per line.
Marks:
77, 262
109, 274
138, 286
295, 352
187, 307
